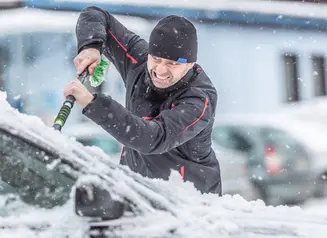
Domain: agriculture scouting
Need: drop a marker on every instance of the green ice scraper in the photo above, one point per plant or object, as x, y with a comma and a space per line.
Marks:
95, 80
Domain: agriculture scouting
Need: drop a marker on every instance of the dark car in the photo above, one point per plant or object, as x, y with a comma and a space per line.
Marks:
278, 164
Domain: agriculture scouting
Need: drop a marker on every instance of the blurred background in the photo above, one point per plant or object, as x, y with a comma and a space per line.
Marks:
266, 58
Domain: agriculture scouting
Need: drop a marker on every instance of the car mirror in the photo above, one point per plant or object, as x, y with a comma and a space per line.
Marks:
93, 201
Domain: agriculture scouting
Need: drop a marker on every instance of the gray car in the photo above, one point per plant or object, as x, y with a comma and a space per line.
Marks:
278, 164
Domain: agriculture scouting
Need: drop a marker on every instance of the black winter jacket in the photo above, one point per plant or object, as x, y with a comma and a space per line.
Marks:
161, 129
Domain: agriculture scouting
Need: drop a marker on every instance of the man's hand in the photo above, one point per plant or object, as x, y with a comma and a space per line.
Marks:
87, 58
79, 91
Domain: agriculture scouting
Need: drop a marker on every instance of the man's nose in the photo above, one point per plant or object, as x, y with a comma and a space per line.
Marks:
161, 68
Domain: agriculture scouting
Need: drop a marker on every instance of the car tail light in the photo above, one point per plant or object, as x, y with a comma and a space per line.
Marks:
272, 160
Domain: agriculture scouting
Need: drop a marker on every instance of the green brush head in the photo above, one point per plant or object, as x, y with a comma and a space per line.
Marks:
100, 73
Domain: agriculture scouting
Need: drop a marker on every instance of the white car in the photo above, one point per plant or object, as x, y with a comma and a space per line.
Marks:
53, 186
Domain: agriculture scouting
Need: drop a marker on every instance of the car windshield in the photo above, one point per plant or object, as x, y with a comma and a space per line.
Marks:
31, 172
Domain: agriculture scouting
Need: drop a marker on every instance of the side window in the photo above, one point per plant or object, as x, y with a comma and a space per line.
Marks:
241, 143
231, 138
29, 171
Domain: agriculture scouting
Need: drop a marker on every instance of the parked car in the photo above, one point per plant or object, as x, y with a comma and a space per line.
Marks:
313, 113
279, 164
53, 186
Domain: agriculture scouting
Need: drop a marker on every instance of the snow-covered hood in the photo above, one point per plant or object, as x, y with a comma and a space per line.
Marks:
169, 208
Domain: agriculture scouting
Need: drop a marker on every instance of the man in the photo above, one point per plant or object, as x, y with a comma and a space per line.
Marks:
170, 101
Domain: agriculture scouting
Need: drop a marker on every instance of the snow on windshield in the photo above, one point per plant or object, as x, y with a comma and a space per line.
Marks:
182, 209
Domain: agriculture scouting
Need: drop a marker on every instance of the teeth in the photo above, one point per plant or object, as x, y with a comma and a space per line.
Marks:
159, 77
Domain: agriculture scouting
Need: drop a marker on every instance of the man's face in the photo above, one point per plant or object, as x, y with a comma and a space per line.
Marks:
165, 73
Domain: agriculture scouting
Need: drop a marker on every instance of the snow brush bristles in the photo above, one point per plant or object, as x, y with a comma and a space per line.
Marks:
100, 72
95, 80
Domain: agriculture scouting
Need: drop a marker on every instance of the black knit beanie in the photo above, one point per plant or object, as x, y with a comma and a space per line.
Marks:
174, 38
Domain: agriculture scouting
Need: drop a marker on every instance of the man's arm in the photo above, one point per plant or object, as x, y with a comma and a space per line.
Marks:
96, 28
168, 130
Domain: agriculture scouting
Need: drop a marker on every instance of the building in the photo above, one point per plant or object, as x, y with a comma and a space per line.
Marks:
259, 54
37, 48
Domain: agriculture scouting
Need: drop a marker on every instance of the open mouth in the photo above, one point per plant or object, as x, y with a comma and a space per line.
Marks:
159, 78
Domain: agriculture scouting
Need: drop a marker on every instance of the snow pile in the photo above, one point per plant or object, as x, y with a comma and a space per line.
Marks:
195, 215
22, 220
31, 127
164, 207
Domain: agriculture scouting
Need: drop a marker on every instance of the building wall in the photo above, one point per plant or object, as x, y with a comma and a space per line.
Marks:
36, 60
247, 66
245, 63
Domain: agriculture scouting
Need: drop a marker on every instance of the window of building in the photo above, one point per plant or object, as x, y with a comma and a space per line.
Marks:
4, 60
291, 78
319, 75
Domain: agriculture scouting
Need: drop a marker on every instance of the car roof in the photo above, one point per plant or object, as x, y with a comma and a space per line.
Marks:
303, 131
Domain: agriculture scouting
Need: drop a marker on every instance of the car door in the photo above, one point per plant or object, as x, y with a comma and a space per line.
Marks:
30, 172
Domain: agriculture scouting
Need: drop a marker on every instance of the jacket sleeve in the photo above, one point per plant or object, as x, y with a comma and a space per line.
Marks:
171, 128
96, 28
